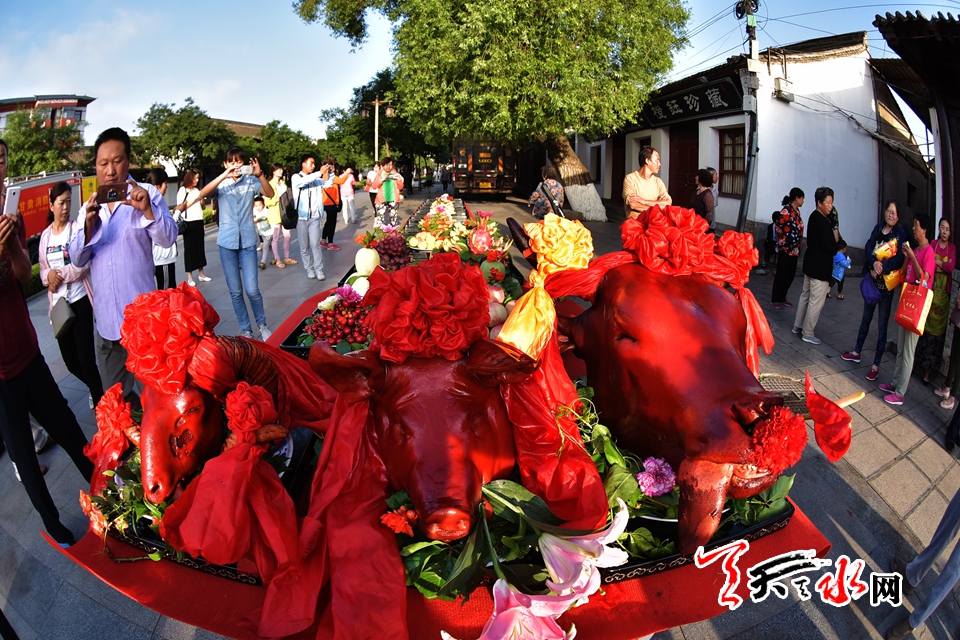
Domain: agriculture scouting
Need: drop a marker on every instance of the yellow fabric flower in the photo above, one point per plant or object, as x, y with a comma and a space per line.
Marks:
560, 244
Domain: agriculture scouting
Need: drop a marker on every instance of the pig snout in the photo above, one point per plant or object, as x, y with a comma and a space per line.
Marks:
447, 524
754, 407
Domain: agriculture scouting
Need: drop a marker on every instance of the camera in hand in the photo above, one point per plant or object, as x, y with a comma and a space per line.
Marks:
246, 170
111, 192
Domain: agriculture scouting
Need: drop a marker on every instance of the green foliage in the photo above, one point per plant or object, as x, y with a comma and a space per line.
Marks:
187, 137
763, 506
279, 143
36, 284
35, 148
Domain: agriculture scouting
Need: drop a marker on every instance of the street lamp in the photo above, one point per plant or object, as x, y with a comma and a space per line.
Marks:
389, 111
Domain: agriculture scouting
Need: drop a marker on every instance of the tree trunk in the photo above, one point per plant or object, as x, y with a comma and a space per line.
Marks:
578, 188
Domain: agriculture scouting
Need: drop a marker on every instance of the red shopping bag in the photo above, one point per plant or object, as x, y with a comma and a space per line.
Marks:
915, 301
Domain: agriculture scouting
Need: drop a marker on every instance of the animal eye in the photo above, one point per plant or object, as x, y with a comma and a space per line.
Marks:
624, 336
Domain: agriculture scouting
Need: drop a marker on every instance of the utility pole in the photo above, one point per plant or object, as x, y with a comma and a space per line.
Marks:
750, 82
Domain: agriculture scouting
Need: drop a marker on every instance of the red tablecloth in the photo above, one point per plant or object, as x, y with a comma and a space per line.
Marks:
625, 611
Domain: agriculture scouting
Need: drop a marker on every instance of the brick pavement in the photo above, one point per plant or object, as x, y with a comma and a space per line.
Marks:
887, 494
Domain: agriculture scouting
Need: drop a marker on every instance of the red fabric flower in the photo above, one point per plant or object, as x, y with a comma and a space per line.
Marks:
249, 408
109, 442
161, 330
668, 240
779, 440
831, 424
435, 308
97, 522
399, 521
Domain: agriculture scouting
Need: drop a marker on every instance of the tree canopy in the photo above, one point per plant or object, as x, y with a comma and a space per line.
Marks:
514, 71
186, 137
279, 143
35, 147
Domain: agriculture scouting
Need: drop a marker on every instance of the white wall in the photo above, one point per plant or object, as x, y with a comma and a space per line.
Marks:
606, 152
808, 143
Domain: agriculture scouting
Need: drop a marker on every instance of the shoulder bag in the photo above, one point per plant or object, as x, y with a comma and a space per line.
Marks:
61, 317
554, 204
290, 215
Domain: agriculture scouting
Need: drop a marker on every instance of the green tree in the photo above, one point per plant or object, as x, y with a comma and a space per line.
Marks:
35, 147
186, 137
515, 71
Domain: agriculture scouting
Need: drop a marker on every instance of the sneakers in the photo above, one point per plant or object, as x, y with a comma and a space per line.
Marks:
262, 266
788, 303
872, 374
948, 404
324, 244
943, 392
204, 279
889, 388
290, 261
247, 334
265, 333
812, 339
894, 399
777, 305
850, 356
333, 247
796, 331
320, 276
311, 274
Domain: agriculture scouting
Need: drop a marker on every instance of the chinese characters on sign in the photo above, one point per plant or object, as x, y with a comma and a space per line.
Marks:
838, 588
710, 99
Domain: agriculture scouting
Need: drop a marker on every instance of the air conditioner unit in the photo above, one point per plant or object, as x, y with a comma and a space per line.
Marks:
783, 89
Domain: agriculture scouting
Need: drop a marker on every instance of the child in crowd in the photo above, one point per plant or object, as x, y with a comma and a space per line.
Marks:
264, 228
840, 263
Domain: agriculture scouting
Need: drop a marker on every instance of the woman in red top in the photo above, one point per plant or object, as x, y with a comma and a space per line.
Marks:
930, 346
921, 265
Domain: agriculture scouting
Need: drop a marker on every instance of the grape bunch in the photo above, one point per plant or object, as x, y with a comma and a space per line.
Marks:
394, 253
343, 322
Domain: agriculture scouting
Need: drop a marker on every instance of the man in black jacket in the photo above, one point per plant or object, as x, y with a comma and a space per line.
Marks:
817, 266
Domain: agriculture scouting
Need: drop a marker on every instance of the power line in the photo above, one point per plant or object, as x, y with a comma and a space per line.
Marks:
709, 57
863, 6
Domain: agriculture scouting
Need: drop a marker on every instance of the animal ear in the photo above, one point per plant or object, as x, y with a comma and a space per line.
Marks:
570, 333
495, 362
356, 376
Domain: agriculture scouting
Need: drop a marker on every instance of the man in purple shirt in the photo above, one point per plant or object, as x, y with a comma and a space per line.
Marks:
117, 240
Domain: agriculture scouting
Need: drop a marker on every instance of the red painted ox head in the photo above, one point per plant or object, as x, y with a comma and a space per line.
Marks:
665, 356
179, 432
442, 425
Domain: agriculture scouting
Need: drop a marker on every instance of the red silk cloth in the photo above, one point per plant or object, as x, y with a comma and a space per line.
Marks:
627, 610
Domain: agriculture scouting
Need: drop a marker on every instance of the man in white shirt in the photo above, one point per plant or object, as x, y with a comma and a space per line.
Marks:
308, 196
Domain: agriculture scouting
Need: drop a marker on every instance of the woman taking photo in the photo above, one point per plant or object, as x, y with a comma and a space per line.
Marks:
702, 200
551, 185
874, 270
188, 200
930, 346
274, 217
789, 230
64, 280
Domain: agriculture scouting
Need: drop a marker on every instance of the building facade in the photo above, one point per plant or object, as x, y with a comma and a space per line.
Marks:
58, 110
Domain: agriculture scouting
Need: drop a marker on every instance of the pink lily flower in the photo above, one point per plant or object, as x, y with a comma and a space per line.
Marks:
517, 616
573, 561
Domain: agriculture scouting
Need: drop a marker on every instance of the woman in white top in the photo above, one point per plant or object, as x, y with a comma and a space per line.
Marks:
65, 280
163, 256
194, 256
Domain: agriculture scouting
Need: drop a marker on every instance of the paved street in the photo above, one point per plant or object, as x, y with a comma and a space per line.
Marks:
886, 495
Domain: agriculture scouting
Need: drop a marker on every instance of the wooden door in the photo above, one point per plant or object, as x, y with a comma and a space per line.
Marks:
684, 160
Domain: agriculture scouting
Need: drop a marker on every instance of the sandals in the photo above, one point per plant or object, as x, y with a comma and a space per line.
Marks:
280, 265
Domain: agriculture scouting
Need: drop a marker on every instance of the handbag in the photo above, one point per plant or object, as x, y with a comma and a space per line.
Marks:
915, 301
290, 217
871, 295
61, 317
181, 223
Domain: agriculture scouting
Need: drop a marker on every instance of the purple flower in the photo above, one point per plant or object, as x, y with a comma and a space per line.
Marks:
347, 294
657, 477
388, 229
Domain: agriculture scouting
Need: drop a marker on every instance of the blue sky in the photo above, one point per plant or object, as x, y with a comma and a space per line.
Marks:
245, 60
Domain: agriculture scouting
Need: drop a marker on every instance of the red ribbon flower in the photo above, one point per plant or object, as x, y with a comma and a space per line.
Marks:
249, 408
739, 256
109, 442
779, 440
831, 424
435, 308
161, 330
669, 240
